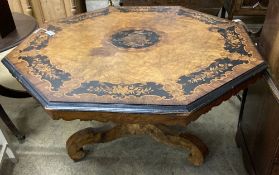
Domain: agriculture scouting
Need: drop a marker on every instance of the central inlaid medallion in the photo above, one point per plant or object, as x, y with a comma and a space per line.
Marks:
136, 39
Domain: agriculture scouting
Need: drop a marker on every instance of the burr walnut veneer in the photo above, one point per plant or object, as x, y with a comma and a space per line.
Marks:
142, 67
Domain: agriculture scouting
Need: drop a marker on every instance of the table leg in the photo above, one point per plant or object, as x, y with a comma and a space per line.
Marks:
5, 118
198, 150
7, 92
223, 12
12, 93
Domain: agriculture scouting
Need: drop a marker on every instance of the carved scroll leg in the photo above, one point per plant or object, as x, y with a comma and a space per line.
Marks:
197, 149
83, 137
75, 143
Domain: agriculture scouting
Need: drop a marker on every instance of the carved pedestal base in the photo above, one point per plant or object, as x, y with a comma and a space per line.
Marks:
197, 148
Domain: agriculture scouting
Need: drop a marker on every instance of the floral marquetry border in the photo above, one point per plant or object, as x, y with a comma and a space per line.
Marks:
121, 90
41, 66
214, 71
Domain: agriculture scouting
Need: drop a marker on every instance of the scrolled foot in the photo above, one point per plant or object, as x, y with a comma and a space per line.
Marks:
198, 150
75, 143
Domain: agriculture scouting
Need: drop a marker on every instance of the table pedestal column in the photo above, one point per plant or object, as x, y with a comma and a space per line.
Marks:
198, 150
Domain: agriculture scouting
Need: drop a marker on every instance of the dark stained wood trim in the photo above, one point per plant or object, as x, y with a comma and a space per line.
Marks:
126, 108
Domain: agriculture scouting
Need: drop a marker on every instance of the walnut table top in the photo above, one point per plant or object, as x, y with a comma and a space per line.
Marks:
134, 60
141, 67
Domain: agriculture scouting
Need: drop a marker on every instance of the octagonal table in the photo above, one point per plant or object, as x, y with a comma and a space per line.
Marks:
144, 68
